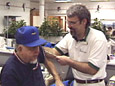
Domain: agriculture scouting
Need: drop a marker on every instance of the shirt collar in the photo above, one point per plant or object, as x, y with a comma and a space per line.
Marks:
87, 32
18, 58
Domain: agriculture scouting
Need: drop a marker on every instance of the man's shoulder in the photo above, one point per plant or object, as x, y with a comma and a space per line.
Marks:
68, 38
10, 63
10, 59
96, 34
96, 31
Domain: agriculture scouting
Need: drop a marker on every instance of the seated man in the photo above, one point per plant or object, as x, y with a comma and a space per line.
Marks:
23, 67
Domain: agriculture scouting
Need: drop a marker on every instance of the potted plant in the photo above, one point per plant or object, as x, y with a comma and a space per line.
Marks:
51, 30
14, 25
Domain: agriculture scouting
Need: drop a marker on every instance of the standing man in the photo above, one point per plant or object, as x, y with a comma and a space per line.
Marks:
23, 67
86, 47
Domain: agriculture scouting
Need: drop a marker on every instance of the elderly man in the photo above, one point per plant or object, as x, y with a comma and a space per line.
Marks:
23, 67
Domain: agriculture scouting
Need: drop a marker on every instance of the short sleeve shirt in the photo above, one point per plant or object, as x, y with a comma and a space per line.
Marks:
93, 50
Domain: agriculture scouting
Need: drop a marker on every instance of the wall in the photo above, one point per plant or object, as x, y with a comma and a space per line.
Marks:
34, 4
106, 11
15, 10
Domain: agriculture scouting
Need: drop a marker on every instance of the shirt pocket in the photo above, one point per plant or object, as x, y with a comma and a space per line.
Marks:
83, 53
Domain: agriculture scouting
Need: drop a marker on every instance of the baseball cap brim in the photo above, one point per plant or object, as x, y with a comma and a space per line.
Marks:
36, 43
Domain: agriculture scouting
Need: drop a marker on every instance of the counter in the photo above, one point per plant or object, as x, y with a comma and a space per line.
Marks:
110, 70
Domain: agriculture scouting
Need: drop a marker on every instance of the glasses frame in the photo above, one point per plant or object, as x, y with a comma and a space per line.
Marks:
72, 22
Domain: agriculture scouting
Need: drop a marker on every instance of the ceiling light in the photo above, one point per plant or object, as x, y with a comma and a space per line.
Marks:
63, 0
99, 0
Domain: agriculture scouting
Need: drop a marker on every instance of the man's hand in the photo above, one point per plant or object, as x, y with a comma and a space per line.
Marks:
59, 83
63, 60
83, 67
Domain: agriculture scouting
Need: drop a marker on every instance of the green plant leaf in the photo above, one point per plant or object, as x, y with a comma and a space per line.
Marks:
50, 28
14, 25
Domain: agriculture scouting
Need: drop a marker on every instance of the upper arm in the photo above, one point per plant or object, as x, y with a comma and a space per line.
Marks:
98, 54
56, 52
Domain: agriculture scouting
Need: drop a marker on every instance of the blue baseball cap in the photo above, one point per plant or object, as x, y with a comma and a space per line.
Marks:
29, 36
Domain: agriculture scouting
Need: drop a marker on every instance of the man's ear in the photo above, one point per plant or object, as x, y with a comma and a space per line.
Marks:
84, 21
19, 48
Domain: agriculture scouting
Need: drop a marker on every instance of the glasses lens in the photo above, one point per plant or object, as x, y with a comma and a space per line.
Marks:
72, 22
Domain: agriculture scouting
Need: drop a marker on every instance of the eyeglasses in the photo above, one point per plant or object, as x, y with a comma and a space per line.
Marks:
72, 22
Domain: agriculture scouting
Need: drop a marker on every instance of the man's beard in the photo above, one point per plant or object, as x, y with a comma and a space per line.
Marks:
73, 33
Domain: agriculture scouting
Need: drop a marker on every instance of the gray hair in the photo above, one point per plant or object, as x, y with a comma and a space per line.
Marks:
81, 12
16, 46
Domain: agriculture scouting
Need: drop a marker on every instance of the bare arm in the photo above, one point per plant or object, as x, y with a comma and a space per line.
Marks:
52, 69
80, 66
51, 52
64, 60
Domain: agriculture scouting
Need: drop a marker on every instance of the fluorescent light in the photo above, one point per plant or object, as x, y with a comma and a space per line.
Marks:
99, 0
63, 0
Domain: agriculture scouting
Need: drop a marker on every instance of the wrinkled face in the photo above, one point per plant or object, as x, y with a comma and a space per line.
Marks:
29, 53
77, 27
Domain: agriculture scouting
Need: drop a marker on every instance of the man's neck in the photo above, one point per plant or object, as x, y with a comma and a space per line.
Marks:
81, 36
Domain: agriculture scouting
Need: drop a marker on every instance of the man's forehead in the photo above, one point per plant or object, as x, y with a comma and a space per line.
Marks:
72, 18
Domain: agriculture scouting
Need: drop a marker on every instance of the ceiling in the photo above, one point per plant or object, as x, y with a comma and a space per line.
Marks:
51, 1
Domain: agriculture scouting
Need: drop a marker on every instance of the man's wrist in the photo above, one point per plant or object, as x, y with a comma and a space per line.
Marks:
57, 78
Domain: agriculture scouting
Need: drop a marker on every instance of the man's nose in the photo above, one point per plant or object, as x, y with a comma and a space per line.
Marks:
69, 26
